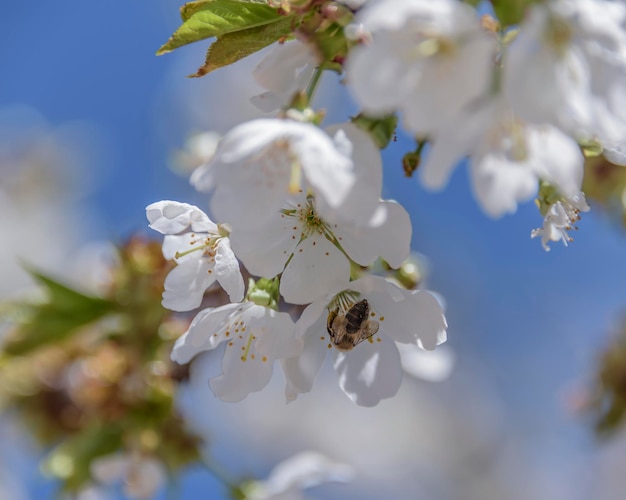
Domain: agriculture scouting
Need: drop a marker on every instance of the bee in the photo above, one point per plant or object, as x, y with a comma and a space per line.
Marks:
350, 329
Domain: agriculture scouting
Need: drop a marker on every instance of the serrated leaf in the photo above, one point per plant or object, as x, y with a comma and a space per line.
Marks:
65, 311
190, 8
232, 47
217, 18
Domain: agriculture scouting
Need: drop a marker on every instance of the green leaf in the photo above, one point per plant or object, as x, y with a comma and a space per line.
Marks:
189, 9
217, 18
232, 47
65, 311
381, 130
511, 12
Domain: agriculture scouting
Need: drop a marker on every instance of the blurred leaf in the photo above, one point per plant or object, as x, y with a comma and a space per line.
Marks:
216, 18
511, 12
232, 47
381, 130
65, 311
71, 460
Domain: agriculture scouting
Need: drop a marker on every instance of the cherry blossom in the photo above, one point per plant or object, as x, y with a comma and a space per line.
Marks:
261, 163
301, 471
316, 252
142, 475
202, 251
371, 370
559, 219
427, 59
508, 157
254, 336
567, 67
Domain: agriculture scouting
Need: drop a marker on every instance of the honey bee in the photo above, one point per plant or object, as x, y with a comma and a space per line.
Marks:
350, 329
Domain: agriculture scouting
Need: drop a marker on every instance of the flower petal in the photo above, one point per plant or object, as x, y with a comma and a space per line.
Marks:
369, 372
300, 371
317, 268
186, 283
390, 240
206, 331
172, 217
227, 271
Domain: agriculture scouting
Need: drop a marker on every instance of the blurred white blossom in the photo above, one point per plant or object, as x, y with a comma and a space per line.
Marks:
142, 475
427, 59
301, 471
567, 67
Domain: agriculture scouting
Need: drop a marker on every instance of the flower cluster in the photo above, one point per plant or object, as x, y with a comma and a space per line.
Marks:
300, 207
517, 102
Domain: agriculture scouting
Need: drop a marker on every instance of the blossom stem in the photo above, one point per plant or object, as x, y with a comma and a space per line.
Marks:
315, 79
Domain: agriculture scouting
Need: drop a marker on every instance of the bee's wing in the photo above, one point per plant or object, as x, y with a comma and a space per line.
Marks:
329, 322
368, 329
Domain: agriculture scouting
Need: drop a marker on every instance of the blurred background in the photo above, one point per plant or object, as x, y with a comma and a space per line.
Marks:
92, 125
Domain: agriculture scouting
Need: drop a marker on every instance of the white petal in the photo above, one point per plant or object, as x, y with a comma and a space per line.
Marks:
240, 377
300, 371
206, 331
276, 336
453, 142
172, 217
369, 372
305, 470
556, 158
144, 478
362, 199
433, 366
227, 271
409, 317
317, 268
500, 183
110, 468
616, 154
265, 249
390, 240
186, 283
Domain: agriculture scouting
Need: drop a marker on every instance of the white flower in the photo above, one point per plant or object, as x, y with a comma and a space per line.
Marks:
309, 246
254, 335
371, 370
507, 157
260, 164
284, 71
567, 67
202, 253
560, 219
307, 242
303, 470
143, 476
427, 59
